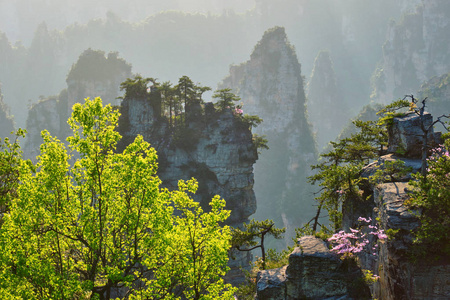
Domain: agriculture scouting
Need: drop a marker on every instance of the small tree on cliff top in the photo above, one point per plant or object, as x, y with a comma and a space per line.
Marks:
226, 99
244, 240
104, 223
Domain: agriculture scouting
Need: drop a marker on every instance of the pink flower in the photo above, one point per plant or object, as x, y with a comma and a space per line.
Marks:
238, 111
361, 219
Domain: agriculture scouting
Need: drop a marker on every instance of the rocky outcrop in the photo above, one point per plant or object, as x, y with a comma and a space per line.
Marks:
314, 272
94, 75
400, 277
44, 115
270, 85
406, 135
216, 148
416, 49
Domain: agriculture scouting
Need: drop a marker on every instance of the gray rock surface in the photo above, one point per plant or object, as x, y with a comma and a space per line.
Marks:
219, 153
270, 85
406, 135
400, 278
271, 284
313, 273
416, 48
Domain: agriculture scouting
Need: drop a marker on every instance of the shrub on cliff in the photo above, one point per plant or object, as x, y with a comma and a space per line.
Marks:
431, 200
103, 226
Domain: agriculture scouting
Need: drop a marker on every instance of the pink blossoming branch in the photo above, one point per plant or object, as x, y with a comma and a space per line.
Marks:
350, 243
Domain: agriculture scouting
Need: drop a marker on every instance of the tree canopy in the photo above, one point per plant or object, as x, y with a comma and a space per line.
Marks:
95, 224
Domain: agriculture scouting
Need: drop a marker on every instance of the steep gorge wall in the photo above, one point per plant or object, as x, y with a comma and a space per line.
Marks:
270, 85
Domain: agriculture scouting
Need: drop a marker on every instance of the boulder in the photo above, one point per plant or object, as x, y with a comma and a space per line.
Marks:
314, 272
406, 134
271, 284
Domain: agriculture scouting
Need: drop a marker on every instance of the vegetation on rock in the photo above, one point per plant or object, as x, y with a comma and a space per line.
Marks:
103, 225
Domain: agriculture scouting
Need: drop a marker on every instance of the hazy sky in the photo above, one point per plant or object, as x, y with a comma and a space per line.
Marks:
60, 13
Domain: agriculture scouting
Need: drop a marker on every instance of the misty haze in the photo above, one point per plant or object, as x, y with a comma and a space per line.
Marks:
283, 108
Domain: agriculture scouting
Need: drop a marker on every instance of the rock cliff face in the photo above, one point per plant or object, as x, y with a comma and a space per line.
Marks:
400, 278
215, 147
46, 114
416, 49
270, 85
315, 273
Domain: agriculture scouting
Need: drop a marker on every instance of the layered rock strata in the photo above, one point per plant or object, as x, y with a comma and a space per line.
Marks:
400, 277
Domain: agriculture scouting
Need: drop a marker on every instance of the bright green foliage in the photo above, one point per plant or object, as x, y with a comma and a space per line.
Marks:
10, 159
80, 231
244, 240
431, 202
226, 99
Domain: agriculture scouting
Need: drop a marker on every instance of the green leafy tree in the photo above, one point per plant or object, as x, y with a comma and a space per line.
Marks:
200, 90
10, 160
168, 93
102, 224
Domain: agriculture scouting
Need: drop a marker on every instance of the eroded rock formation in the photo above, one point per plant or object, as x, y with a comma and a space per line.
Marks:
215, 147
94, 75
270, 85
6, 120
315, 273
416, 49
400, 277
327, 109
